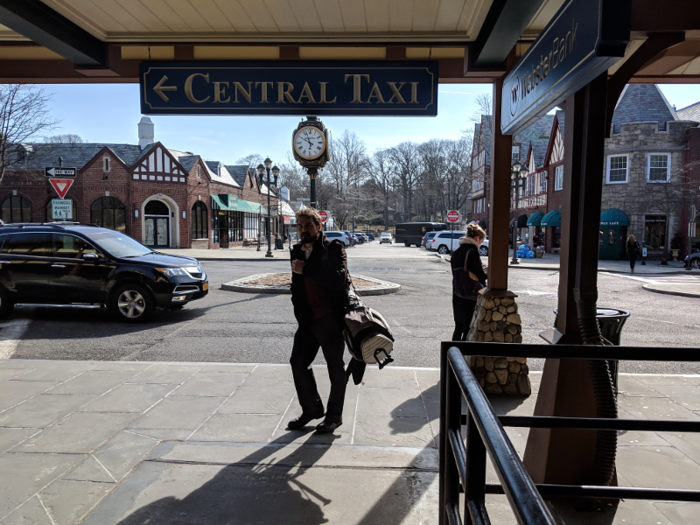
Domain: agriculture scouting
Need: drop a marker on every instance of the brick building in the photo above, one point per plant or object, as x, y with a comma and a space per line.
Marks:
158, 196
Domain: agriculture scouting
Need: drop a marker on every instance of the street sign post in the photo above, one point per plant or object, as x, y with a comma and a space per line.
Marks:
62, 209
453, 216
324, 215
61, 186
60, 172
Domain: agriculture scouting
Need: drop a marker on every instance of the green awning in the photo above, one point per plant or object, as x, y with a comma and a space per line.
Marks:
535, 219
233, 203
553, 218
217, 200
614, 217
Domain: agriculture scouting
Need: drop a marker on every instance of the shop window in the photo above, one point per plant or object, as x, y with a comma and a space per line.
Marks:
658, 165
108, 212
655, 231
199, 221
16, 209
559, 178
617, 169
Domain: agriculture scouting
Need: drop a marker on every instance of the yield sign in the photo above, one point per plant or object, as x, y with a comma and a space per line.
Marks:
61, 186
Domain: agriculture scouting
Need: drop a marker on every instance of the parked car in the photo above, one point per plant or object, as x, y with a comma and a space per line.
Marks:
693, 260
428, 237
353, 242
72, 264
359, 238
371, 236
445, 242
341, 236
386, 237
413, 232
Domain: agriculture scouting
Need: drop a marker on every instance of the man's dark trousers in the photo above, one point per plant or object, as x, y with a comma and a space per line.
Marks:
327, 334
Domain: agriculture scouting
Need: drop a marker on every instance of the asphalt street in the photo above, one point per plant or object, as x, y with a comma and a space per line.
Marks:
235, 327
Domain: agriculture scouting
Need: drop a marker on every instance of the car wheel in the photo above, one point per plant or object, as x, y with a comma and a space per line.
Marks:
483, 251
132, 303
407, 244
6, 305
695, 263
442, 250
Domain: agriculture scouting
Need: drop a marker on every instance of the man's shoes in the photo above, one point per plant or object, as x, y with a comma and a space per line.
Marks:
303, 420
328, 426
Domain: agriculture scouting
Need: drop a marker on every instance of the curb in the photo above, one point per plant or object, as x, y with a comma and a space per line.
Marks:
651, 288
240, 285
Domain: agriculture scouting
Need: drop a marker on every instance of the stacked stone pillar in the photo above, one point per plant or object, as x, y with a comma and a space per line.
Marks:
497, 319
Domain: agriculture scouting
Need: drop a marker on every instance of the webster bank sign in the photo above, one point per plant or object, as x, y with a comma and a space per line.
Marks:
289, 88
581, 41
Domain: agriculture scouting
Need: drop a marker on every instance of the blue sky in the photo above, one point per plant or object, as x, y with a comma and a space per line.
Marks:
110, 112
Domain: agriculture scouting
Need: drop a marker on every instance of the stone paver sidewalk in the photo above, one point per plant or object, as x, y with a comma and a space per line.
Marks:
186, 443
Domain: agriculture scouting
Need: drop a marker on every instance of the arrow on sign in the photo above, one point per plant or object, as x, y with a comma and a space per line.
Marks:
159, 88
59, 172
61, 186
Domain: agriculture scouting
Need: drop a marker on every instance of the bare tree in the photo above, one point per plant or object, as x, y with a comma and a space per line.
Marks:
69, 138
382, 179
23, 115
407, 163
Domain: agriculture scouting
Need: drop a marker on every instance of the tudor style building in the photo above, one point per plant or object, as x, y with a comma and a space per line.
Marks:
161, 197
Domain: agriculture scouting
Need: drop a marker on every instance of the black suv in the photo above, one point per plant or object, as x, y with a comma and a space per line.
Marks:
67, 263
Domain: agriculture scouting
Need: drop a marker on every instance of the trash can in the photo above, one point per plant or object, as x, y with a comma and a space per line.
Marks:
610, 321
279, 244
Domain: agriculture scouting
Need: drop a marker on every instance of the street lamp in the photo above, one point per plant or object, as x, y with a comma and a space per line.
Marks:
518, 177
275, 171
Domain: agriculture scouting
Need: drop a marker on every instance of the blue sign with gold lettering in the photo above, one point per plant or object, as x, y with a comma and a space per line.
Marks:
289, 88
582, 40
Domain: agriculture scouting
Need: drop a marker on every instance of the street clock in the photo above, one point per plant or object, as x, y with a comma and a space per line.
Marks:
311, 144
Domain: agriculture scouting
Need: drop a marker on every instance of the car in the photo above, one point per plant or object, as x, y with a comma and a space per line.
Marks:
445, 242
341, 236
386, 237
371, 236
79, 265
692, 260
352, 240
359, 238
428, 237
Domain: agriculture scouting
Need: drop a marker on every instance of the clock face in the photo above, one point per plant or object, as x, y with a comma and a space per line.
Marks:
309, 142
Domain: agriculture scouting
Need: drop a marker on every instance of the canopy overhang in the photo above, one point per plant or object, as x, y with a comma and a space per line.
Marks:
535, 219
552, 219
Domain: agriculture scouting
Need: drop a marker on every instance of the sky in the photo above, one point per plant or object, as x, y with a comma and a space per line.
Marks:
109, 113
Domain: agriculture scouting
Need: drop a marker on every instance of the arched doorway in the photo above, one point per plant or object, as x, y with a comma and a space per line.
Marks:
156, 224
16, 209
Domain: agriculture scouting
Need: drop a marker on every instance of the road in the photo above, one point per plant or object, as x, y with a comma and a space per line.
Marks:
235, 327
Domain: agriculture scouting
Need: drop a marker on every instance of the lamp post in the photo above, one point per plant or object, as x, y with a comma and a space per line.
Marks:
275, 171
518, 177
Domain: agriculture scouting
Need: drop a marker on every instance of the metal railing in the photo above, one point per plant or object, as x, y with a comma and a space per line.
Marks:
463, 467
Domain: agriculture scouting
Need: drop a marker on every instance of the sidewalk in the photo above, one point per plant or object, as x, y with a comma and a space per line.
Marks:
130, 442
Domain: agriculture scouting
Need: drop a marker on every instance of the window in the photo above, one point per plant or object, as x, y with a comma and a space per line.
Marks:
31, 244
199, 221
658, 168
531, 185
515, 154
108, 212
617, 169
655, 231
105, 163
559, 178
71, 247
197, 170
543, 182
16, 209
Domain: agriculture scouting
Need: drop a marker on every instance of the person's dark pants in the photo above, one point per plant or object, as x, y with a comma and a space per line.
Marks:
633, 260
463, 310
326, 333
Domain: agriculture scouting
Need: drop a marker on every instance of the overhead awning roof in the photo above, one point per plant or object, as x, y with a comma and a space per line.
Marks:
614, 217
233, 203
553, 218
535, 219
285, 209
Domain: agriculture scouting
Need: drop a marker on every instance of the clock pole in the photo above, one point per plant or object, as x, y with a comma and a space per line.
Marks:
313, 173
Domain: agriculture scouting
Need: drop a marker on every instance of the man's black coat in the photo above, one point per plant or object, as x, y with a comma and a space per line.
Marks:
326, 267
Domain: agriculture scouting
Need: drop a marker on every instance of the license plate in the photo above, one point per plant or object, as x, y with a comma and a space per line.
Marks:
205, 287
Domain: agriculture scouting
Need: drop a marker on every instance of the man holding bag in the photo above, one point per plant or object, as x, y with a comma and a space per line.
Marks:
468, 277
320, 297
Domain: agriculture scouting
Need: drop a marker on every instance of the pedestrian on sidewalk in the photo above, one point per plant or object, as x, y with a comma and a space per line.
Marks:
320, 297
633, 249
468, 277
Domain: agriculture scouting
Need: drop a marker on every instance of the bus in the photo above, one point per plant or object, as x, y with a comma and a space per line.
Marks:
413, 232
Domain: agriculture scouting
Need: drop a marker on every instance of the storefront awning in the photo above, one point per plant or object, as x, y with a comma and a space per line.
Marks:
285, 209
553, 218
233, 203
535, 219
614, 217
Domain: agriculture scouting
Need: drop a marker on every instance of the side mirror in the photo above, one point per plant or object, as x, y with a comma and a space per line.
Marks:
91, 257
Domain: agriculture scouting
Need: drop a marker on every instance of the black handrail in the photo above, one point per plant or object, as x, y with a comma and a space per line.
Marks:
466, 467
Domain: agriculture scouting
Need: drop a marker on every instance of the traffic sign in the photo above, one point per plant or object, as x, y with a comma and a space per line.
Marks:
324, 215
62, 209
60, 172
453, 216
61, 186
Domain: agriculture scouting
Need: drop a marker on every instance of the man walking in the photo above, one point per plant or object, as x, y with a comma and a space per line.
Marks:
319, 296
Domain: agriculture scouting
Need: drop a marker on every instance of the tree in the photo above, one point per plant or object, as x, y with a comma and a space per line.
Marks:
68, 138
382, 179
23, 115
407, 163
